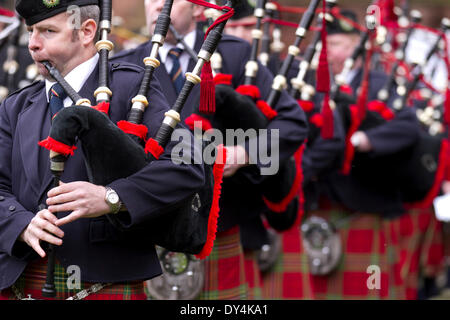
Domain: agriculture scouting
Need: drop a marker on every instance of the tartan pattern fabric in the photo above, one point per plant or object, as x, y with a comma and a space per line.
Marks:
432, 255
290, 277
33, 278
367, 240
225, 269
420, 249
176, 72
252, 275
411, 230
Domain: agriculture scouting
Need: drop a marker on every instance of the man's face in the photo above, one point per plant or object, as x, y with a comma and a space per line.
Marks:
340, 47
242, 28
183, 16
54, 40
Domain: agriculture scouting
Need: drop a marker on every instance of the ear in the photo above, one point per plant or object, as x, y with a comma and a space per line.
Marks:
198, 12
88, 32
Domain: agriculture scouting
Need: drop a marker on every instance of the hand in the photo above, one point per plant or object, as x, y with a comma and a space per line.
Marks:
236, 158
361, 142
42, 228
446, 187
84, 199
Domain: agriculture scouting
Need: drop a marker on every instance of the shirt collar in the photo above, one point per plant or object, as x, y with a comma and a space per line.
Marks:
77, 77
189, 39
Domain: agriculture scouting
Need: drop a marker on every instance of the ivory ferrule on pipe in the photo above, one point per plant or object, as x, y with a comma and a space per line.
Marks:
158, 38
259, 13
153, 62
193, 78
293, 50
172, 118
251, 69
140, 102
257, 34
104, 44
279, 83
83, 102
301, 32
205, 55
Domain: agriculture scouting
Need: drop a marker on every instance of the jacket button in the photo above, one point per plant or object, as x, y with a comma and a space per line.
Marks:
12, 208
116, 65
2, 198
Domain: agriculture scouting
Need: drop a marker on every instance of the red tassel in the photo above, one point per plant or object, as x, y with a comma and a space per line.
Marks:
214, 211
194, 120
296, 186
447, 107
323, 73
153, 147
266, 109
447, 169
222, 78
56, 146
440, 174
301, 195
138, 130
102, 107
249, 90
306, 105
328, 125
207, 90
349, 148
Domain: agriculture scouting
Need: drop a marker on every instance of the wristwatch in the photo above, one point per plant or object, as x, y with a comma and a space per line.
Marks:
113, 200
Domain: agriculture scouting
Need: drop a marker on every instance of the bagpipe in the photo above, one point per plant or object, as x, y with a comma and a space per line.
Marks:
279, 191
113, 151
417, 170
303, 85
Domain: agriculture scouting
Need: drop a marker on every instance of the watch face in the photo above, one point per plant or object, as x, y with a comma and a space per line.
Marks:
113, 198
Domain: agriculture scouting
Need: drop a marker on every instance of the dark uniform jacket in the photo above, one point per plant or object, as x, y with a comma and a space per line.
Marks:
373, 188
240, 200
102, 252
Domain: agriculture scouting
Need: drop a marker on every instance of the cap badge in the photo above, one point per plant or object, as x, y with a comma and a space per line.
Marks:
50, 3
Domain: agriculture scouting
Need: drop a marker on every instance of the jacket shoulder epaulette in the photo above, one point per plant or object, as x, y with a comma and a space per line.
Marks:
125, 66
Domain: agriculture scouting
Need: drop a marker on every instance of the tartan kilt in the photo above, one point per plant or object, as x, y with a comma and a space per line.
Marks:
252, 275
433, 253
33, 278
290, 277
225, 269
367, 240
419, 239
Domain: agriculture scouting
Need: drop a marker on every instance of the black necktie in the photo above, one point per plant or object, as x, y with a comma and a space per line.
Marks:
176, 72
56, 97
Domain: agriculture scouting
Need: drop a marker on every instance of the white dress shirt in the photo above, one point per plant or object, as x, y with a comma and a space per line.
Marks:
189, 39
76, 78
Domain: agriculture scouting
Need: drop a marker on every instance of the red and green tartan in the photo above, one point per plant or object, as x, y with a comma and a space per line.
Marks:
33, 278
290, 277
367, 239
225, 269
432, 257
252, 275
413, 228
